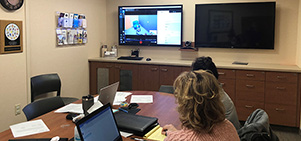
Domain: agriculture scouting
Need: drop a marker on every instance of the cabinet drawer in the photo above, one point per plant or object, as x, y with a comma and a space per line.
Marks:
250, 90
281, 93
245, 108
225, 73
282, 77
250, 75
186, 69
229, 86
168, 74
281, 115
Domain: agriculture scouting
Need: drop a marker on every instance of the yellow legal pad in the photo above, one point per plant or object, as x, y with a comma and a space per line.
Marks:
155, 134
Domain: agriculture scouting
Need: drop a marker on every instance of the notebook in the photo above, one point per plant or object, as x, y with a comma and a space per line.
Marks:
99, 125
155, 134
107, 94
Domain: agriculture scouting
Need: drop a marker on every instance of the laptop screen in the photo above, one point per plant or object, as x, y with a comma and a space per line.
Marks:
99, 125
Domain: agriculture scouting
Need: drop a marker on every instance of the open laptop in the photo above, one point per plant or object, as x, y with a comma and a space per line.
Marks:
107, 94
100, 125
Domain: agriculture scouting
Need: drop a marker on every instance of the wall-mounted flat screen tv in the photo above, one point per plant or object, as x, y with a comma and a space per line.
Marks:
235, 25
159, 25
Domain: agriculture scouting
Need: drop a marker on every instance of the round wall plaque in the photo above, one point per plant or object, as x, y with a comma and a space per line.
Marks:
12, 31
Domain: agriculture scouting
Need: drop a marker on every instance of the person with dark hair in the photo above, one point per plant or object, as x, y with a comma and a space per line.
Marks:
206, 63
201, 111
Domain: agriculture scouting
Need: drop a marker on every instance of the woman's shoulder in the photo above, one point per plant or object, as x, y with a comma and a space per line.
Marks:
222, 131
226, 124
225, 130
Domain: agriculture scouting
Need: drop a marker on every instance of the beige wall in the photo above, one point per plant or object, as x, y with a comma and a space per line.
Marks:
71, 62
42, 56
12, 77
298, 58
285, 38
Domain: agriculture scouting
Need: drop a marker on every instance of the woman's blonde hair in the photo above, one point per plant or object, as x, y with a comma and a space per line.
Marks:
199, 104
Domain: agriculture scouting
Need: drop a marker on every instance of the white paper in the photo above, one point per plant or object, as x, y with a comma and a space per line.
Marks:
95, 106
142, 99
72, 108
125, 134
29, 128
120, 97
96, 98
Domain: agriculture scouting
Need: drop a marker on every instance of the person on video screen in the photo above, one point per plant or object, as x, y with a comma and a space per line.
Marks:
136, 29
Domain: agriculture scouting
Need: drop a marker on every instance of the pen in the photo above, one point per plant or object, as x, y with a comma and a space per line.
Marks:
165, 130
137, 139
123, 110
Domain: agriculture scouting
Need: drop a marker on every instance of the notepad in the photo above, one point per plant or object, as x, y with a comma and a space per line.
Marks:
155, 134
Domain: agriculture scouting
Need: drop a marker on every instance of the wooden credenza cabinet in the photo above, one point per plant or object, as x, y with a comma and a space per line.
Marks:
281, 98
249, 92
227, 80
111, 73
277, 92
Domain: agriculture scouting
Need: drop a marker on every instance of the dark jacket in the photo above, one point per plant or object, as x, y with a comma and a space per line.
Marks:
257, 128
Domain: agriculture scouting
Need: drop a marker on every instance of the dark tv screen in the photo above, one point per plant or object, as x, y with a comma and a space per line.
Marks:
156, 25
235, 25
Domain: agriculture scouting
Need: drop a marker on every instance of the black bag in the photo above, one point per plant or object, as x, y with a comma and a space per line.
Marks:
136, 124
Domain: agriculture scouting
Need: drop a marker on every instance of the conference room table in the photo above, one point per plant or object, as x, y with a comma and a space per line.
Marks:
163, 107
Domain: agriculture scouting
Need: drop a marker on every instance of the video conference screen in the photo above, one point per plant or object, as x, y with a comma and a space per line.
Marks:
150, 25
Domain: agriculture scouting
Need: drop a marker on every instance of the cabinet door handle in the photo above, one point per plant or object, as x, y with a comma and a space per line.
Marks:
221, 73
165, 70
154, 69
250, 75
250, 86
223, 84
281, 77
279, 109
248, 106
118, 67
280, 88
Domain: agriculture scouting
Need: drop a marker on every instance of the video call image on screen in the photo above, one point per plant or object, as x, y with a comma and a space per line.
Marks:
150, 25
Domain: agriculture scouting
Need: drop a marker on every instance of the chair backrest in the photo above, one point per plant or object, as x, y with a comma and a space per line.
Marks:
42, 106
166, 89
45, 83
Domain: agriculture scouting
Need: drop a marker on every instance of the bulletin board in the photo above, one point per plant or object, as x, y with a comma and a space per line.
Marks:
11, 40
71, 29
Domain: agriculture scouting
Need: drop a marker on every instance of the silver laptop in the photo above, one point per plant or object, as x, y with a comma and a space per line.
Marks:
107, 94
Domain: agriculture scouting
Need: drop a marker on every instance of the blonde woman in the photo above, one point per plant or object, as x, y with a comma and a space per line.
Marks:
201, 111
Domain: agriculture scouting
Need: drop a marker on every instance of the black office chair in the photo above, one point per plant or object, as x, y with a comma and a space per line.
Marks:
166, 89
257, 128
40, 107
46, 83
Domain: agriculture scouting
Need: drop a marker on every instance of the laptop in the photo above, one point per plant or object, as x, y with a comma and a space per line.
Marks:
100, 125
107, 94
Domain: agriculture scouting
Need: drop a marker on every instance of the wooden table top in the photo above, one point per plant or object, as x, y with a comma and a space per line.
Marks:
163, 107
